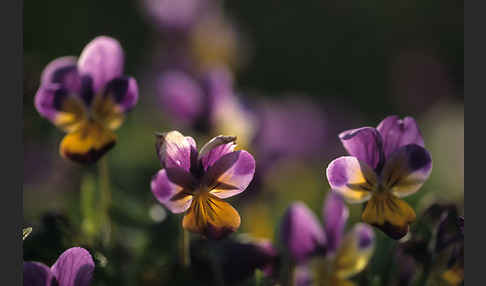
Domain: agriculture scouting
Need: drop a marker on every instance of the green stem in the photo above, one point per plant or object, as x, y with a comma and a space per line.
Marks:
186, 249
105, 200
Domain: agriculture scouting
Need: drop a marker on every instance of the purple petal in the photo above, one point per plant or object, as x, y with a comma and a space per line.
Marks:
396, 133
102, 59
47, 99
219, 85
124, 91
37, 274
174, 150
301, 232
215, 149
169, 189
57, 105
64, 72
407, 170
179, 14
351, 178
365, 235
181, 96
335, 215
365, 144
231, 174
74, 267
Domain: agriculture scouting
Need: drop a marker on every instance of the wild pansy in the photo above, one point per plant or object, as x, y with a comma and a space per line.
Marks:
386, 163
87, 98
207, 102
197, 182
74, 267
177, 16
326, 256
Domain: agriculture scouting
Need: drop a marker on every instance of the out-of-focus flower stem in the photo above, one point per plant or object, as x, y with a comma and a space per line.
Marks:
186, 249
105, 199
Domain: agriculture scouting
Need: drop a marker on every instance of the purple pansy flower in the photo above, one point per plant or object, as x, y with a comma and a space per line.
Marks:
307, 240
199, 181
74, 267
176, 16
386, 163
88, 98
302, 233
293, 115
206, 103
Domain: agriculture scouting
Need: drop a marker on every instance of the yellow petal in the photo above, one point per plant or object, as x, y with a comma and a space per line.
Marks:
354, 253
107, 112
72, 115
390, 214
455, 275
211, 217
88, 143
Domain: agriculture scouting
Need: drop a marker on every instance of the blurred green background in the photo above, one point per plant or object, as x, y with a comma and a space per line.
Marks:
357, 61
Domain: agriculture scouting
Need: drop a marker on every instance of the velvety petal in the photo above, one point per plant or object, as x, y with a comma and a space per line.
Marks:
87, 144
174, 150
335, 215
181, 96
397, 132
103, 60
123, 91
37, 274
231, 174
353, 179
215, 149
64, 72
390, 214
74, 267
301, 232
63, 110
407, 170
365, 144
211, 217
172, 195
355, 252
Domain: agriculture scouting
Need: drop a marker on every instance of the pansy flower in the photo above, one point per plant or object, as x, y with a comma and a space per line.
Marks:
87, 98
207, 103
197, 182
386, 163
326, 256
74, 267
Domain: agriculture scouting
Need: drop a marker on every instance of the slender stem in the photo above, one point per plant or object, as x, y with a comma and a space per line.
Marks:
186, 249
105, 199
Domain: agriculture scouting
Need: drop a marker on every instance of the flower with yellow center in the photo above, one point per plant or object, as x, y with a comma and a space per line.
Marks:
197, 182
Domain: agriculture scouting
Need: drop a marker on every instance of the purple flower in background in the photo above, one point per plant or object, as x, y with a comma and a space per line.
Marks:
88, 98
386, 163
302, 233
343, 255
206, 103
199, 181
296, 116
178, 15
74, 267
